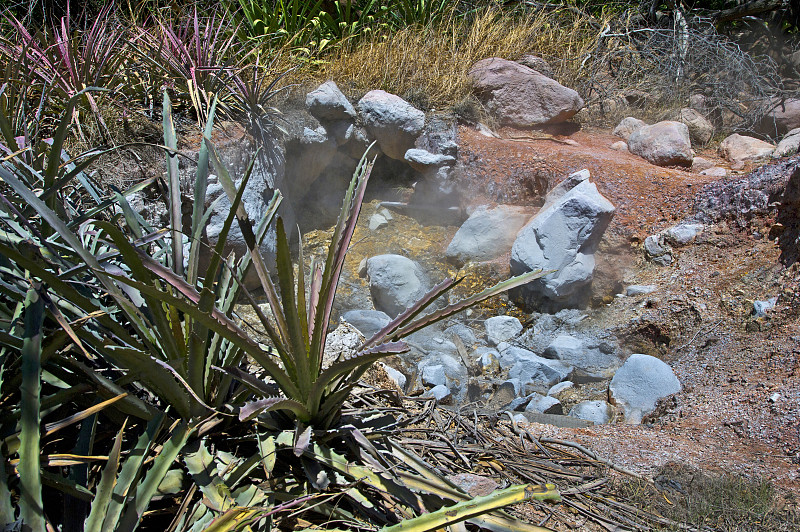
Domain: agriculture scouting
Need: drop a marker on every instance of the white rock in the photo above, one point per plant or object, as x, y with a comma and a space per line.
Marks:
639, 384
487, 234
598, 412
327, 103
395, 283
638, 289
393, 122
627, 126
789, 145
562, 237
502, 328
544, 404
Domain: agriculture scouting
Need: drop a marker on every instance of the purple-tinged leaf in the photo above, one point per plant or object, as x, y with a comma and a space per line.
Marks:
302, 440
251, 409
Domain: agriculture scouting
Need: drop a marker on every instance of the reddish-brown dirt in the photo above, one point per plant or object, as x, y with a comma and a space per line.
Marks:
739, 410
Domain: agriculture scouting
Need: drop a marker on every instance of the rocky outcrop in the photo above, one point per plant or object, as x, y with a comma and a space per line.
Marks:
395, 283
487, 234
562, 237
757, 194
519, 96
737, 148
663, 144
393, 122
639, 384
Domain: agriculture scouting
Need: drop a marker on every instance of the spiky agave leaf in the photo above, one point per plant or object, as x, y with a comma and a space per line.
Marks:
253, 408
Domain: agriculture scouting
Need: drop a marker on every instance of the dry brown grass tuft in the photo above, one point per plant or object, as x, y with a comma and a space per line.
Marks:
430, 64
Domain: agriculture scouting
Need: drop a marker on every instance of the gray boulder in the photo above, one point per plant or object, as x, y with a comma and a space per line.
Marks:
560, 190
701, 163
255, 200
424, 161
520, 96
627, 126
502, 328
737, 148
598, 412
438, 369
487, 234
393, 122
789, 145
784, 117
529, 368
395, 283
327, 103
640, 289
545, 404
562, 237
700, 128
367, 321
441, 393
657, 250
682, 234
590, 359
663, 144
639, 384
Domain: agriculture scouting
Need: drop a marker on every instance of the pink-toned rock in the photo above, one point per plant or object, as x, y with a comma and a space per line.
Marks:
620, 145
784, 116
700, 129
519, 96
714, 171
741, 148
475, 485
700, 163
627, 126
663, 144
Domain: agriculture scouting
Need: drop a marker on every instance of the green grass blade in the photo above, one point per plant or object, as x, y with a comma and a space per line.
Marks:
31, 505
105, 489
478, 506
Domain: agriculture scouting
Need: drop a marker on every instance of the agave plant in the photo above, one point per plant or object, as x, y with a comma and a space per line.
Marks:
301, 313
198, 56
67, 63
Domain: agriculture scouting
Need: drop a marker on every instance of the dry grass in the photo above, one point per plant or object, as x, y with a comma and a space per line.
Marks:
429, 66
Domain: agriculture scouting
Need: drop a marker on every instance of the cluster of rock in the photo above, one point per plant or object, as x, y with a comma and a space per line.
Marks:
507, 370
670, 142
